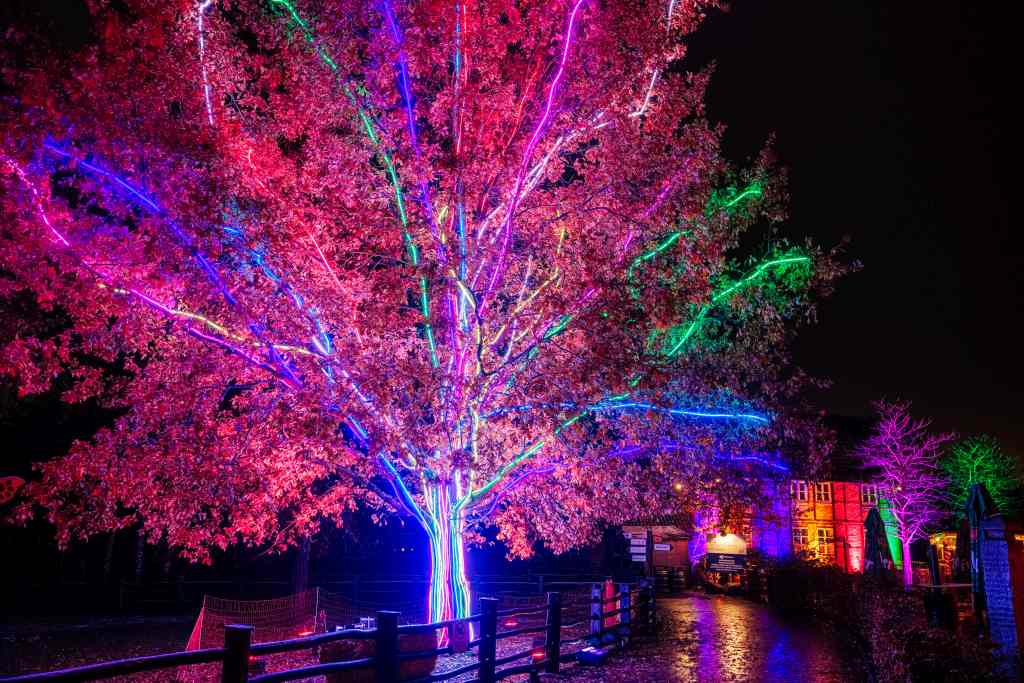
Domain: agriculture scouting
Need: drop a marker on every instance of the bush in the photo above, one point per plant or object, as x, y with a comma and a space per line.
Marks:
889, 624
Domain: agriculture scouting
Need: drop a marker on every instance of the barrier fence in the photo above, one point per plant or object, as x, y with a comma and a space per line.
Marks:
388, 651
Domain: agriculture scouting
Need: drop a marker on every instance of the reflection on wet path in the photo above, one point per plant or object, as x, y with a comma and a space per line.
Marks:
717, 638
728, 639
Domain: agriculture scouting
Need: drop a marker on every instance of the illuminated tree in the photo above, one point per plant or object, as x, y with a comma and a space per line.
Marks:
980, 460
465, 262
906, 456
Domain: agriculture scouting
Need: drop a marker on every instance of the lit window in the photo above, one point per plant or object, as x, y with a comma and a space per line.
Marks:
825, 540
823, 492
869, 494
798, 490
800, 536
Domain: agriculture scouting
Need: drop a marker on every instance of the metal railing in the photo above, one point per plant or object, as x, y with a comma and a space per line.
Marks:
632, 607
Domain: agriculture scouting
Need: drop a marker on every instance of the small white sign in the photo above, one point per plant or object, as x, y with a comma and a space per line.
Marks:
638, 541
663, 546
639, 558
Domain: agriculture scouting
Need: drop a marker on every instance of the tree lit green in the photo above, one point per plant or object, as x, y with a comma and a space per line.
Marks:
980, 460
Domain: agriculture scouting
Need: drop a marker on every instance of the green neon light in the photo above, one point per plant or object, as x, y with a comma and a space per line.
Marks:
570, 422
410, 244
743, 283
425, 310
665, 244
558, 327
506, 469
728, 199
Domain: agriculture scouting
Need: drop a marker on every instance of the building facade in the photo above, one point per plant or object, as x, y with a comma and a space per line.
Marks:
819, 519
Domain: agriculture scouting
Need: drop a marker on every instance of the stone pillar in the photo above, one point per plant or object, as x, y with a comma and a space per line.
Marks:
997, 568
998, 587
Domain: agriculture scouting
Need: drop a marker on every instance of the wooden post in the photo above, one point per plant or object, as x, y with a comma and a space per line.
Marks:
644, 608
625, 606
488, 640
596, 609
386, 647
237, 639
649, 547
553, 637
651, 605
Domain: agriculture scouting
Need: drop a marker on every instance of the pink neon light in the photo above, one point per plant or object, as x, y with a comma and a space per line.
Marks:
499, 266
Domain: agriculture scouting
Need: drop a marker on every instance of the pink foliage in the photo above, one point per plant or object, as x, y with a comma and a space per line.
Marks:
151, 180
906, 455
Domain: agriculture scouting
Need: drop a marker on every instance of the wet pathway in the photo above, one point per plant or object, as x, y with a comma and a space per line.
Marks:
707, 638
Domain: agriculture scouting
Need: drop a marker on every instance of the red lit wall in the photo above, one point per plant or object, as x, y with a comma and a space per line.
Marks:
849, 525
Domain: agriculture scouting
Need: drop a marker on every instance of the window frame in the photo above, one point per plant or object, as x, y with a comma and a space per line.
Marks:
805, 533
822, 492
869, 494
798, 487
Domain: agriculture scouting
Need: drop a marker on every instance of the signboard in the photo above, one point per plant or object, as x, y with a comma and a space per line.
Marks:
724, 562
642, 542
663, 546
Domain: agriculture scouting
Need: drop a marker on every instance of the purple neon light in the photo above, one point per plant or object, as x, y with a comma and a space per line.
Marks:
499, 266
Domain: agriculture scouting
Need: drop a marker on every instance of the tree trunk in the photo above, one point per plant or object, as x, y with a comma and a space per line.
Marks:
167, 564
908, 568
449, 596
108, 558
300, 571
140, 556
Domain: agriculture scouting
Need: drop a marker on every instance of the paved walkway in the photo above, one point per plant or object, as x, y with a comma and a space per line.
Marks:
716, 638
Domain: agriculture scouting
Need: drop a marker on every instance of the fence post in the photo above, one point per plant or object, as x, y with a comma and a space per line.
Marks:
644, 608
625, 605
553, 637
386, 647
488, 640
651, 606
596, 609
235, 667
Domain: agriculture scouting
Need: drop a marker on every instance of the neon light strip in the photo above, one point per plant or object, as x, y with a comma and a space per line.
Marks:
410, 115
321, 341
141, 296
606, 405
203, 5
35, 198
368, 127
186, 241
499, 266
647, 97
522, 477
529, 452
754, 189
684, 413
740, 284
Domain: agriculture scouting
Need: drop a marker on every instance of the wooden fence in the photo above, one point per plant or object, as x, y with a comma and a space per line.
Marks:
612, 620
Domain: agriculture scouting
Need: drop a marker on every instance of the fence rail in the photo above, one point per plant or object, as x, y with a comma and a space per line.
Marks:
606, 625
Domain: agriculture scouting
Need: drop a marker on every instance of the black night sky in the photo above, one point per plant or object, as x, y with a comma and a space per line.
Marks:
892, 118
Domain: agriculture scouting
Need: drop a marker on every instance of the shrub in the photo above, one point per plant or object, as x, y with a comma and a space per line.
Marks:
889, 624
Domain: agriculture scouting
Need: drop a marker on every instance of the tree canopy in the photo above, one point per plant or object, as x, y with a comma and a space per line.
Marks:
467, 259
